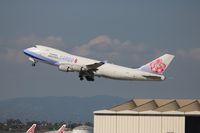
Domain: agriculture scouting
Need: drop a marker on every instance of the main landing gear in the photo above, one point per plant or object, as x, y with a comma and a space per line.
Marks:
88, 78
81, 78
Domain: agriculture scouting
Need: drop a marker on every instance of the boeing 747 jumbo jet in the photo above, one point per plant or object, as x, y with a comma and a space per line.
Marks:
88, 68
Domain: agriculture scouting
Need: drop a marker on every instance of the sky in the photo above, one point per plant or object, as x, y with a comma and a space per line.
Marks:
129, 33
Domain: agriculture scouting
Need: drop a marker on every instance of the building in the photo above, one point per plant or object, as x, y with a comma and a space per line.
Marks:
150, 116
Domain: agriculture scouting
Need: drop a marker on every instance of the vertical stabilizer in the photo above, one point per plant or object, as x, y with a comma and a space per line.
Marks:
31, 129
159, 65
62, 129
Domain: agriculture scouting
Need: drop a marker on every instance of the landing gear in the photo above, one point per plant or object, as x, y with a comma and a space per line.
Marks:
81, 77
33, 61
33, 64
87, 75
89, 78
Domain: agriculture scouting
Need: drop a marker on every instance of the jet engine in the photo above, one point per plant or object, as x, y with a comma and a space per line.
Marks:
71, 68
65, 68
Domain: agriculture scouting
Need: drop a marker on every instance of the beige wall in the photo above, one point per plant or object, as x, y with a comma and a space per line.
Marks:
105, 124
173, 124
127, 124
150, 124
138, 124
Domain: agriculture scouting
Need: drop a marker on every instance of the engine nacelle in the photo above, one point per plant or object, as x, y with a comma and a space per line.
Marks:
71, 68
65, 68
78, 68
32, 60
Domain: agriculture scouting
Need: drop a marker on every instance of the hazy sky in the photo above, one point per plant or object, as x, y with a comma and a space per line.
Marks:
128, 32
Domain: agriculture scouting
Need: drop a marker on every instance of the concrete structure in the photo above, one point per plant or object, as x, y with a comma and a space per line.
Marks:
83, 129
150, 116
79, 129
57, 132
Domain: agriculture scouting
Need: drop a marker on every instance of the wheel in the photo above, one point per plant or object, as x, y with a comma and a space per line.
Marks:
89, 78
81, 78
33, 64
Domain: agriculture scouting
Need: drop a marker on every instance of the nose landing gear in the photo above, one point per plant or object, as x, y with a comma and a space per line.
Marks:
33, 64
33, 61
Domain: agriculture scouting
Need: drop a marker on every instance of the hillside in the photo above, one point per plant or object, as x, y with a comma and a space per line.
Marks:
54, 109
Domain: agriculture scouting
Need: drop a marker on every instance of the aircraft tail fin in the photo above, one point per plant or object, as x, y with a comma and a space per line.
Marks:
159, 65
31, 129
62, 129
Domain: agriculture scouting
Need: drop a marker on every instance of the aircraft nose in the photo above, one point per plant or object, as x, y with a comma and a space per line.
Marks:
31, 50
26, 51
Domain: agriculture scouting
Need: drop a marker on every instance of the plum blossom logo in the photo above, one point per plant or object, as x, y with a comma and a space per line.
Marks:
158, 66
32, 130
62, 130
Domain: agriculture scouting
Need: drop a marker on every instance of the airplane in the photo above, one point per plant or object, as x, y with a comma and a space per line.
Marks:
89, 68
60, 130
31, 129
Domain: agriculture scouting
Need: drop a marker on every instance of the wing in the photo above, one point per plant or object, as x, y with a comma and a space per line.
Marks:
89, 72
93, 67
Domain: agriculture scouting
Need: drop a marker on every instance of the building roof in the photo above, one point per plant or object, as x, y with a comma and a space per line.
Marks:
169, 106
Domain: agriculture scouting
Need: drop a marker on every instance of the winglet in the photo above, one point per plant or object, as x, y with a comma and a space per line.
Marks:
31, 129
62, 129
159, 65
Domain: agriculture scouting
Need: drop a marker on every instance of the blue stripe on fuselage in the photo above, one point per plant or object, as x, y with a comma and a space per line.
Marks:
40, 57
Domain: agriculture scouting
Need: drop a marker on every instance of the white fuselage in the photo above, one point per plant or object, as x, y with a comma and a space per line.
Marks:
56, 57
